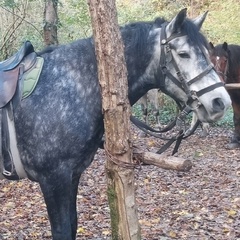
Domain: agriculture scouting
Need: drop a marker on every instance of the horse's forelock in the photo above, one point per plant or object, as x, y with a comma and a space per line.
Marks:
195, 37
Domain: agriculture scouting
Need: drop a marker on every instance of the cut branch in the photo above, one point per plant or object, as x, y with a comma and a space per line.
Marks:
163, 161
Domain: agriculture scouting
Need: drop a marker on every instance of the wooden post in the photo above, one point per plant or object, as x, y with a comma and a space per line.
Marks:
112, 75
230, 86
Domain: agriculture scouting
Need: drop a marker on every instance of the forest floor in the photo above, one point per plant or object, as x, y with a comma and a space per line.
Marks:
202, 204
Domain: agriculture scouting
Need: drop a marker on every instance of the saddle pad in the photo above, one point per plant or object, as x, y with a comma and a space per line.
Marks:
30, 78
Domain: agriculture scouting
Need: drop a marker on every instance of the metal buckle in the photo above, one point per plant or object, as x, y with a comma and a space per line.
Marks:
6, 173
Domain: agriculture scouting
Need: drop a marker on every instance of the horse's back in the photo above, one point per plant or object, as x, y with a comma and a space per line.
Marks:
62, 118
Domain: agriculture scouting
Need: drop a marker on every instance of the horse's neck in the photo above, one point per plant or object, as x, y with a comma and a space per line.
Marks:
138, 89
234, 64
233, 74
139, 85
142, 77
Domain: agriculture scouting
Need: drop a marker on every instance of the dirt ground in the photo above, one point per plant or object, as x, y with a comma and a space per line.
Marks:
201, 204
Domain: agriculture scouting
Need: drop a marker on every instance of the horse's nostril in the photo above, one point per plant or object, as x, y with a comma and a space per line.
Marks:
218, 105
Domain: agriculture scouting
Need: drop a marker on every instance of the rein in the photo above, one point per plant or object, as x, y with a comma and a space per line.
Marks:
179, 121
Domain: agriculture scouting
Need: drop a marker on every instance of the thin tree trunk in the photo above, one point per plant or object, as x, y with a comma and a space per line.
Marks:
112, 75
50, 22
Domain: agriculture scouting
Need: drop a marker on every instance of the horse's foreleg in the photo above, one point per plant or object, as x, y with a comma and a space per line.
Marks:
235, 141
156, 115
156, 106
143, 103
73, 206
144, 112
58, 194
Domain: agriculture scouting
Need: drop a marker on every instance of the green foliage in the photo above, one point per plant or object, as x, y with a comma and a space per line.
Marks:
167, 111
75, 20
19, 21
227, 121
8, 3
223, 22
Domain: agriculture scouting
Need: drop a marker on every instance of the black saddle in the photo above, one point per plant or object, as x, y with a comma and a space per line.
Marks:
14, 61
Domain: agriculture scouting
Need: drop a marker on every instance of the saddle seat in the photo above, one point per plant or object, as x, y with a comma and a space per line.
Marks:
12, 69
14, 60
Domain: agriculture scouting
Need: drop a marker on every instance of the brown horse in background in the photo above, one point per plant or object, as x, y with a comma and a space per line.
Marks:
226, 59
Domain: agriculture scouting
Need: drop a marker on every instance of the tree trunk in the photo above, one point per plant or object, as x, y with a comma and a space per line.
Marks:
112, 75
50, 22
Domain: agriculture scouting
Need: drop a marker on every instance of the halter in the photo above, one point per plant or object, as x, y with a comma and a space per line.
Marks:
180, 81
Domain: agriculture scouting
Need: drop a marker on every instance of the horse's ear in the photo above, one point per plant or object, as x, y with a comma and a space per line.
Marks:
225, 46
177, 22
198, 21
211, 45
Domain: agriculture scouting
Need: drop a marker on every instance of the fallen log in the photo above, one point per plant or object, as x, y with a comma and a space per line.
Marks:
229, 86
163, 161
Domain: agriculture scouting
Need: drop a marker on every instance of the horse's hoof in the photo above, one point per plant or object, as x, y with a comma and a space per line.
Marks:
233, 145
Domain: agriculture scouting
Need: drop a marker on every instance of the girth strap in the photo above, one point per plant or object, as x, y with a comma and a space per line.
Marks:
10, 157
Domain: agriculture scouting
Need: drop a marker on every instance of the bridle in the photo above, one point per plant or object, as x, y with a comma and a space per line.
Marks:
180, 81
218, 66
162, 73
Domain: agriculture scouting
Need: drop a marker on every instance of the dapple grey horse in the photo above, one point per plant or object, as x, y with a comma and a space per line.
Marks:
59, 127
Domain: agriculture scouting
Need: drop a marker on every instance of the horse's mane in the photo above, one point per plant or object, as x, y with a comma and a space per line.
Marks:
136, 35
47, 49
234, 54
139, 42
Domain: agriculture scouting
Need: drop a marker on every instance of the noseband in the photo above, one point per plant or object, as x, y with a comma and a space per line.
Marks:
180, 81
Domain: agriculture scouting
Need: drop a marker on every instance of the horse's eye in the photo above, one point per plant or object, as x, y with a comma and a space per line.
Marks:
183, 55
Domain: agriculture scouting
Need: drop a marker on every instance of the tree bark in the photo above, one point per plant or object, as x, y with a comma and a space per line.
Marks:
112, 75
50, 22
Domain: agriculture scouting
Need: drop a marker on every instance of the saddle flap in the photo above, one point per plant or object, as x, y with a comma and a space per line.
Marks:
8, 85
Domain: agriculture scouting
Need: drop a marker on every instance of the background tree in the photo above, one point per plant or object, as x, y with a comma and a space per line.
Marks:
50, 22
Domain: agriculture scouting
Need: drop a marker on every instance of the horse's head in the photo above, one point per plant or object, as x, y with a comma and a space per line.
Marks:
219, 56
189, 74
